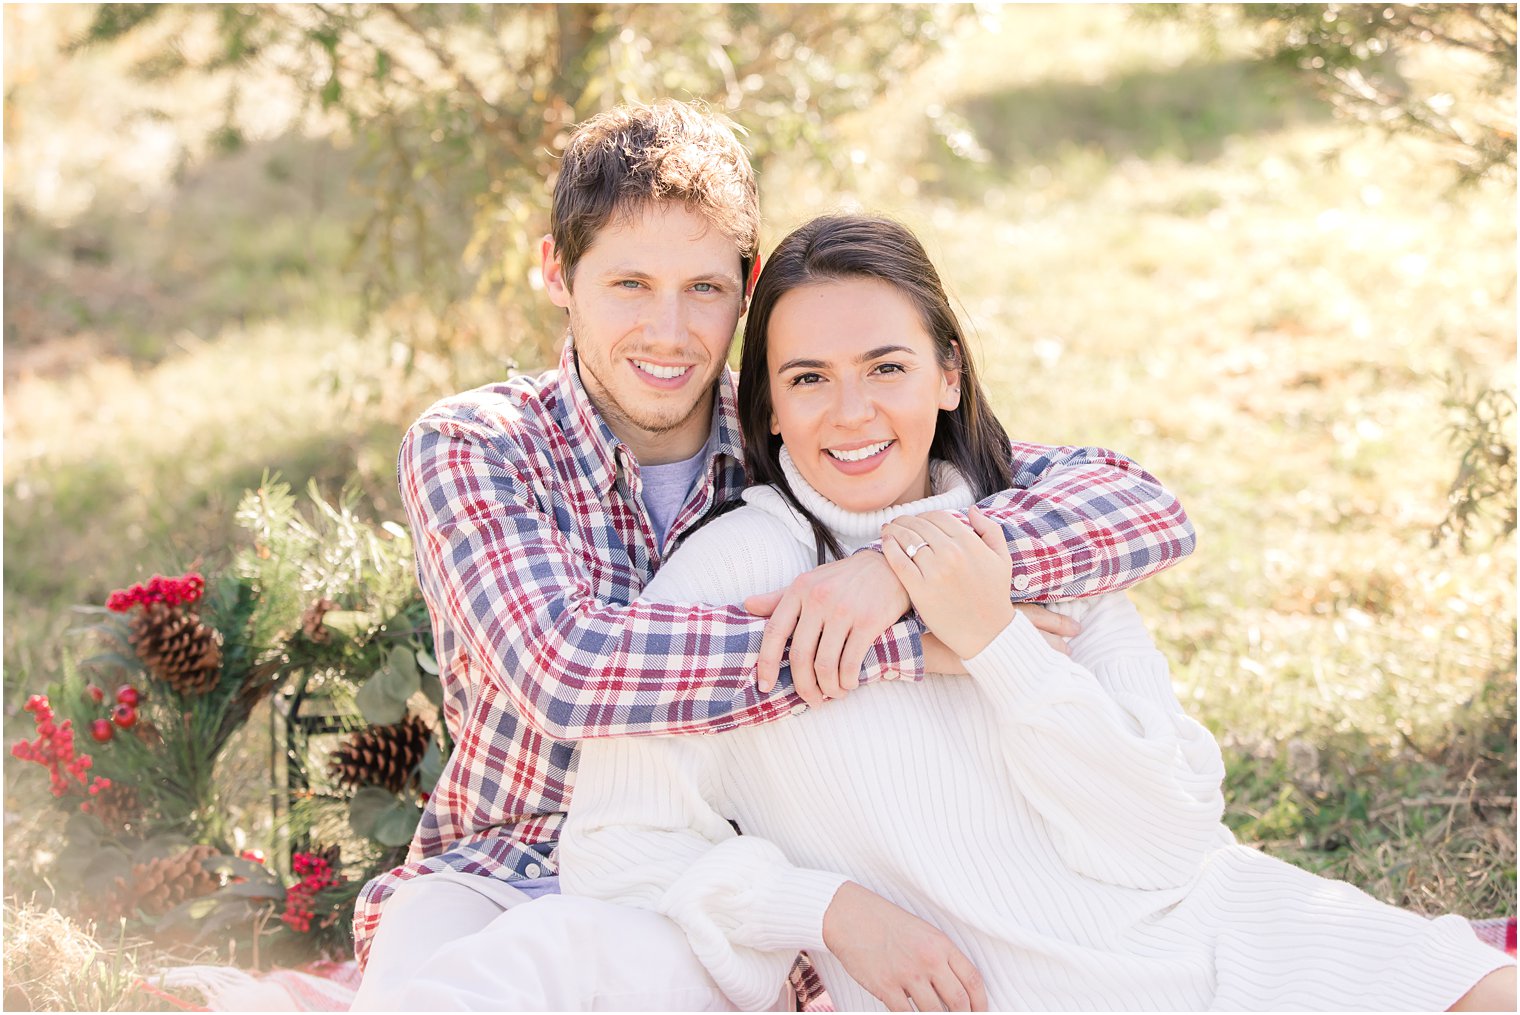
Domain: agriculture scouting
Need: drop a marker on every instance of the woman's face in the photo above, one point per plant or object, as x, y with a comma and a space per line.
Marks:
856, 390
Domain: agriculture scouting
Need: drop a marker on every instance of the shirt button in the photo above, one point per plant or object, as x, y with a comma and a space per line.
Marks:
1020, 582
533, 870
798, 709
891, 675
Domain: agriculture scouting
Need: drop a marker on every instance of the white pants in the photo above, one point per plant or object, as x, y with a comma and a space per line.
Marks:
460, 942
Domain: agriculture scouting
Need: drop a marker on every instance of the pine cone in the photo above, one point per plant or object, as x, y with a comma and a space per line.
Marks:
160, 884
118, 806
381, 755
177, 648
311, 621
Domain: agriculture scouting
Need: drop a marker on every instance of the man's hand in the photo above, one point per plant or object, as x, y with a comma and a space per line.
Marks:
904, 962
1055, 628
832, 614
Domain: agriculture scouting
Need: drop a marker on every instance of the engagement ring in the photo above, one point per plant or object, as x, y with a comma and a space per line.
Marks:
911, 550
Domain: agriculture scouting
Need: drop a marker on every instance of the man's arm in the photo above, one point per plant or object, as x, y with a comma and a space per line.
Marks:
492, 562
1084, 521
1079, 521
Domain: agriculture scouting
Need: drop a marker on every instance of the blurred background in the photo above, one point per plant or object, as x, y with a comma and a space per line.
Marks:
1266, 250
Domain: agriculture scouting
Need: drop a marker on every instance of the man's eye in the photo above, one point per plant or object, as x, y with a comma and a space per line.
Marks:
629, 283
705, 287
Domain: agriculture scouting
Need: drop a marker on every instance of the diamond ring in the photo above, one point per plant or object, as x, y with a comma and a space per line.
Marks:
912, 551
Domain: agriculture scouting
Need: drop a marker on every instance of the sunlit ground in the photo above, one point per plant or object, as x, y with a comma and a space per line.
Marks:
1166, 249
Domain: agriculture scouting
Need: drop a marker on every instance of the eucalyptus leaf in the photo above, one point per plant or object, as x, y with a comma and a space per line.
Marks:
427, 662
236, 866
365, 808
431, 767
382, 699
81, 830
396, 825
100, 869
349, 623
160, 846
119, 658
254, 890
432, 689
199, 909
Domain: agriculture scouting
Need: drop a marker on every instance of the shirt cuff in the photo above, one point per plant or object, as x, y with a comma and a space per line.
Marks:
899, 652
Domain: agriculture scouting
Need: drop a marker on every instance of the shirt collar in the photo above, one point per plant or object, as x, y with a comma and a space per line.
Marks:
591, 432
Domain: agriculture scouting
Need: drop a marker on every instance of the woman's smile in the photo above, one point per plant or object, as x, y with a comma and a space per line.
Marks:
856, 390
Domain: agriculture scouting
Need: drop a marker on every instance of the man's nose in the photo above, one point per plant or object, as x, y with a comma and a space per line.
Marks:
667, 324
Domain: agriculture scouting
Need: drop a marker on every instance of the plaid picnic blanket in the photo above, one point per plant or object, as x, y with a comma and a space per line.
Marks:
330, 986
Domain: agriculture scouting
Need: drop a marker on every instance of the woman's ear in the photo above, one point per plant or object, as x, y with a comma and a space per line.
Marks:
775, 426
950, 381
556, 282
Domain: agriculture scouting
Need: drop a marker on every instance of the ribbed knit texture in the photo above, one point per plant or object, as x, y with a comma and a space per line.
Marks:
1058, 818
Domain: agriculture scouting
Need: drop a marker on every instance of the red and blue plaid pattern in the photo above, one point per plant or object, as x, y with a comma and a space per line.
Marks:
532, 544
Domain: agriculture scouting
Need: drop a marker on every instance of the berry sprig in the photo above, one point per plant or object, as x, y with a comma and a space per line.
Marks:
316, 874
187, 588
54, 749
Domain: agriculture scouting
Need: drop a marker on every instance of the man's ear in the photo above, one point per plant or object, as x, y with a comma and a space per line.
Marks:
754, 276
556, 282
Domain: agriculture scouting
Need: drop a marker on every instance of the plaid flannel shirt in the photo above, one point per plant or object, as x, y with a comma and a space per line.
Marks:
532, 544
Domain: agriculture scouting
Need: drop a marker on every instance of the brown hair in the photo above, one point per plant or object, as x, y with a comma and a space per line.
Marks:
627, 157
857, 246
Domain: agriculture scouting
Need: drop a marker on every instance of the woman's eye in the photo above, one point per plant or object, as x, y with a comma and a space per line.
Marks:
889, 368
806, 379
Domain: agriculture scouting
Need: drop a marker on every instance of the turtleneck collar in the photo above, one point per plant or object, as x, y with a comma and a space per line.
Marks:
856, 529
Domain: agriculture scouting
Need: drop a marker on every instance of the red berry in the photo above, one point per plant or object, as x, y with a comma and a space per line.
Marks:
34, 702
94, 693
128, 695
124, 715
101, 730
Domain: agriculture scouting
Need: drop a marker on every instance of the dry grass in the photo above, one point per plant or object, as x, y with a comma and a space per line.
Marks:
1172, 250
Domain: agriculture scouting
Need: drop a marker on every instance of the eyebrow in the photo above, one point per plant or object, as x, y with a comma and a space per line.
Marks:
642, 275
865, 357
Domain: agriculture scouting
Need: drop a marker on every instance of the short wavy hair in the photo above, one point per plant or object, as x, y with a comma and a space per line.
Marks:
633, 155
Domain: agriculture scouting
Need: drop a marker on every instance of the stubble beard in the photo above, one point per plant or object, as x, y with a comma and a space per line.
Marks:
650, 419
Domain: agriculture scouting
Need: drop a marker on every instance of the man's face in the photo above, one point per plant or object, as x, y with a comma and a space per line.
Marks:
655, 301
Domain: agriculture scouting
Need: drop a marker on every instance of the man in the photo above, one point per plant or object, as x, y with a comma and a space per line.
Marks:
542, 506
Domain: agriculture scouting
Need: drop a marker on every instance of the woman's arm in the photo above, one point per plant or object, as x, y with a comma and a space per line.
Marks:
643, 831
1129, 784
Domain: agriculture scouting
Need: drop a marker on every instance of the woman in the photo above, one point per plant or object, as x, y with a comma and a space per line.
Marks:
1042, 832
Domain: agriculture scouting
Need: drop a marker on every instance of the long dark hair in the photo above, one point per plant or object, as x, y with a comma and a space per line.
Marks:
838, 247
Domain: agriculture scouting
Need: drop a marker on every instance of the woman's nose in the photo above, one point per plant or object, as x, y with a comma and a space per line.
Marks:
853, 406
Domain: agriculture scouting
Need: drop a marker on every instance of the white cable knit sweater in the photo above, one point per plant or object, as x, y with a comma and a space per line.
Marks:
1058, 818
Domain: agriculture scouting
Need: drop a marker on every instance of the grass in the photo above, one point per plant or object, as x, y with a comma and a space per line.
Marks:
1170, 249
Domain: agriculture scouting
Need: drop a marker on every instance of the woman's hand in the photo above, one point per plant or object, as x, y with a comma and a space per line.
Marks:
957, 576
904, 962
